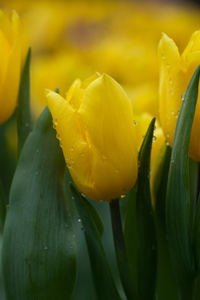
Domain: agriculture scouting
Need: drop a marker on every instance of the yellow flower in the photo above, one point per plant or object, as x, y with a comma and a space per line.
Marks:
175, 73
48, 71
97, 134
10, 64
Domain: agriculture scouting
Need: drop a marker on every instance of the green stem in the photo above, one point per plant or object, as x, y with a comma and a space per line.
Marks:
120, 250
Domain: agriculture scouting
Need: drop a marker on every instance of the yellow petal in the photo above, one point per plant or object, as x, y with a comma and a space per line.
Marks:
171, 86
74, 94
168, 53
191, 54
11, 75
5, 24
72, 139
107, 114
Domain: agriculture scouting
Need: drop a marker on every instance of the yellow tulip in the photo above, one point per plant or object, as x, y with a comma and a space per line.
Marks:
175, 73
10, 64
97, 134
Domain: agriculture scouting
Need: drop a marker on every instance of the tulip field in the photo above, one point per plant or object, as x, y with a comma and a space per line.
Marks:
99, 150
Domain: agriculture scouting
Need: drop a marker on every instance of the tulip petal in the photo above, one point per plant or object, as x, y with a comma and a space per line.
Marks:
73, 95
4, 53
191, 54
170, 89
70, 132
10, 84
107, 114
5, 24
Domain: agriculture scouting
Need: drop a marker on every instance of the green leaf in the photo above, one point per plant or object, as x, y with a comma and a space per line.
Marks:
166, 287
103, 280
130, 235
178, 202
24, 125
7, 159
94, 215
147, 249
160, 186
120, 250
38, 245
197, 234
2, 207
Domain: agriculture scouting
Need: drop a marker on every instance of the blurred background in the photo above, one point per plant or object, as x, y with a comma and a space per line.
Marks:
74, 39
71, 39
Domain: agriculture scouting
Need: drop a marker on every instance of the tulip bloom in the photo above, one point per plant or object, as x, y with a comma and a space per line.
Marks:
10, 63
96, 129
175, 73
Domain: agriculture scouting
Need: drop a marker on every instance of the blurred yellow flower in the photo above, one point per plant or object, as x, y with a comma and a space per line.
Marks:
97, 134
175, 73
10, 64
144, 98
51, 72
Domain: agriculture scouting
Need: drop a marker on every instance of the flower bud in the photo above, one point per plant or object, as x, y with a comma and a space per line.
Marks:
175, 73
95, 126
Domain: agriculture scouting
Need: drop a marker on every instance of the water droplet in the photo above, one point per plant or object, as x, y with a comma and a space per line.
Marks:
154, 138
123, 196
58, 136
134, 123
170, 81
173, 113
167, 144
45, 248
26, 124
172, 161
183, 96
37, 151
79, 220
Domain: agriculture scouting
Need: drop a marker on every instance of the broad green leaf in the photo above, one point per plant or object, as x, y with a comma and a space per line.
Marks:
103, 280
94, 216
166, 287
91, 209
2, 207
24, 125
7, 157
178, 202
2, 290
38, 244
197, 235
146, 236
